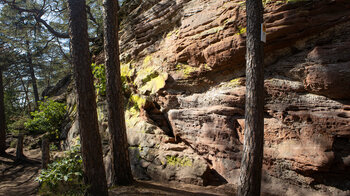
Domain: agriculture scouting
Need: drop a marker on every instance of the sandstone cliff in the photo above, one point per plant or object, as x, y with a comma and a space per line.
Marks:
183, 72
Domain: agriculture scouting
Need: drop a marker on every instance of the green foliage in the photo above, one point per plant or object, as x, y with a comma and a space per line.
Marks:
53, 147
18, 125
47, 119
12, 105
99, 72
13, 144
64, 176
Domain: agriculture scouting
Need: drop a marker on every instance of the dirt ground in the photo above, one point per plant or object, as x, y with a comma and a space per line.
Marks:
18, 178
171, 189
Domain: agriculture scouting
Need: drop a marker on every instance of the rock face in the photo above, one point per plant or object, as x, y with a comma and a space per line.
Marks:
188, 126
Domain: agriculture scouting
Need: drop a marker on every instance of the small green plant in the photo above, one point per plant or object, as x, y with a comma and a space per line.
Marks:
13, 144
47, 119
18, 125
53, 147
64, 176
99, 72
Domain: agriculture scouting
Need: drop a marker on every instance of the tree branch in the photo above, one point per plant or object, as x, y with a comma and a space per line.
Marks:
38, 13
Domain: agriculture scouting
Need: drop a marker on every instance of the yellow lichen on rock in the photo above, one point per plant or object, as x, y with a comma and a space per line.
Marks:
185, 69
155, 84
178, 161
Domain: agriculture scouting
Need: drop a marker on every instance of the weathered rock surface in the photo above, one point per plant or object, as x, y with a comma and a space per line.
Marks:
189, 127
201, 44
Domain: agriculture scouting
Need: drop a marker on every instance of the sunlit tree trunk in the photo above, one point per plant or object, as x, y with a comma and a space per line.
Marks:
121, 172
94, 173
33, 79
25, 92
250, 176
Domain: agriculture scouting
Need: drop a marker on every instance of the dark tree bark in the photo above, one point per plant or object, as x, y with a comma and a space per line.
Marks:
19, 150
45, 152
2, 118
33, 79
250, 176
94, 173
121, 172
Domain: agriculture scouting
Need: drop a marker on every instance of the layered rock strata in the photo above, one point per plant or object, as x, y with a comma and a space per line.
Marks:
184, 67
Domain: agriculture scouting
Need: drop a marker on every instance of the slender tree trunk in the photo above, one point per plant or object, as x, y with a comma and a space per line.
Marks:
29, 104
250, 176
121, 172
26, 93
95, 176
2, 118
19, 151
45, 152
33, 79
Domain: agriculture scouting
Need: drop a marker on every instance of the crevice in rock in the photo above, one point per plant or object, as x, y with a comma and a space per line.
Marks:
159, 118
213, 178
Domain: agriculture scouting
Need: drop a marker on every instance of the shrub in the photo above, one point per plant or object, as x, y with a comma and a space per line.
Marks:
64, 176
48, 119
18, 125
100, 78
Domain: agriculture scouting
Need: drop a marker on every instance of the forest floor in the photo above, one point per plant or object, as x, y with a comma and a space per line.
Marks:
171, 189
18, 177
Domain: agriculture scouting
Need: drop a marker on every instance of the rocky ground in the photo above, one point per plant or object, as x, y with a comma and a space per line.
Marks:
18, 178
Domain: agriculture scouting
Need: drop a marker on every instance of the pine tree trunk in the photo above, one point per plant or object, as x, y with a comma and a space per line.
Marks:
33, 79
250, 176
94, 173
2, 118
121, 172
26, 94
19, 150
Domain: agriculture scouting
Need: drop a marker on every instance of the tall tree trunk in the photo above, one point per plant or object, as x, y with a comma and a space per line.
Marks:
121, 172
250, 176
33, 79
95, 177
25, 92
2, 117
